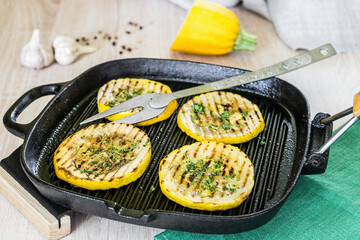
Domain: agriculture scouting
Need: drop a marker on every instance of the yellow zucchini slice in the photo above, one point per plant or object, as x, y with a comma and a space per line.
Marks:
103, 156
207, 176
120, 90
222, 117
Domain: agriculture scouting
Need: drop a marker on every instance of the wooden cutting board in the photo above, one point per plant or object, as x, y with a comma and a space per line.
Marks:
52, 220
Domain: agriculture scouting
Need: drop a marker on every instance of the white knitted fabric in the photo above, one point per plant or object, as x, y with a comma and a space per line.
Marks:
306, 24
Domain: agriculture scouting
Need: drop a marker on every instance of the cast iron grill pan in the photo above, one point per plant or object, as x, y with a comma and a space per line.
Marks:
266, 153
278, 153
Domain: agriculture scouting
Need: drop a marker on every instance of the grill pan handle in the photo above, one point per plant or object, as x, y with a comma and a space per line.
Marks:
320, 133
10, 117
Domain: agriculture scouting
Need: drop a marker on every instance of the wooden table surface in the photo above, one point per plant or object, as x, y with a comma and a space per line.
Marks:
329, 85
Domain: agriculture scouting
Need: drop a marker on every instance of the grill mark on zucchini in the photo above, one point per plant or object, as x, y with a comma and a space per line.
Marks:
119, 166
246, 177
257, 115
224, 170
182, 177
241, 130
252, 119
67, 172
196, 187
231, 171
196, 150
105, 89
176, 169
122, 163
241, 168
245, 122
213, 153
217, 112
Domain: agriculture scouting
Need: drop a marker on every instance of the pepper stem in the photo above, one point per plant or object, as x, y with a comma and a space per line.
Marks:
245, 41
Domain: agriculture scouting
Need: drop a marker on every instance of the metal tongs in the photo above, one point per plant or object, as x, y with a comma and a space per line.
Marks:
153, 104
317, 160
355, 110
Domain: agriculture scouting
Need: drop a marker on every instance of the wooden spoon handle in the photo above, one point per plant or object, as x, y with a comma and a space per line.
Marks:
356, 106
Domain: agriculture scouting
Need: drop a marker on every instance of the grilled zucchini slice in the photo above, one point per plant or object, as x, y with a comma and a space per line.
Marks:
222, 117
207, 176
120, 90
103, 156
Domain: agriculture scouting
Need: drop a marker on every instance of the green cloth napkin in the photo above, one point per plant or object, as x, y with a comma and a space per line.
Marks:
325, 206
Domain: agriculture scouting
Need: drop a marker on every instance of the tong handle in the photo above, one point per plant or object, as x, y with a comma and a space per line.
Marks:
341, 131
337, 116
286, 66
356, 112
356, 106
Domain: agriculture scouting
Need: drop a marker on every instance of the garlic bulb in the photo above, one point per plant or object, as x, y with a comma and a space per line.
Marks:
67, 50
34, 55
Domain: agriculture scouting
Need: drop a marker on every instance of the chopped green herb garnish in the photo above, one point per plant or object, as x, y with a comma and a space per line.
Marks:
137, 92
198, 108
127, 94
152, 188
85, 171
232, 175
218, 163
225, 115
262, 142
245, 113
83, 136
111, 104
212, 126
225, 126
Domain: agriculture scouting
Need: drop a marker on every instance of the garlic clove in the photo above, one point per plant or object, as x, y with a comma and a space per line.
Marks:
34, 55
67, 50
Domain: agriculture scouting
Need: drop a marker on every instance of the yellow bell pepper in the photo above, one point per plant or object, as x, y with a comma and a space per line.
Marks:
211, 29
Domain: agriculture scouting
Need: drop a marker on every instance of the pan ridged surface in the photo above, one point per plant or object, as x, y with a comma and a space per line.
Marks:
269, 153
